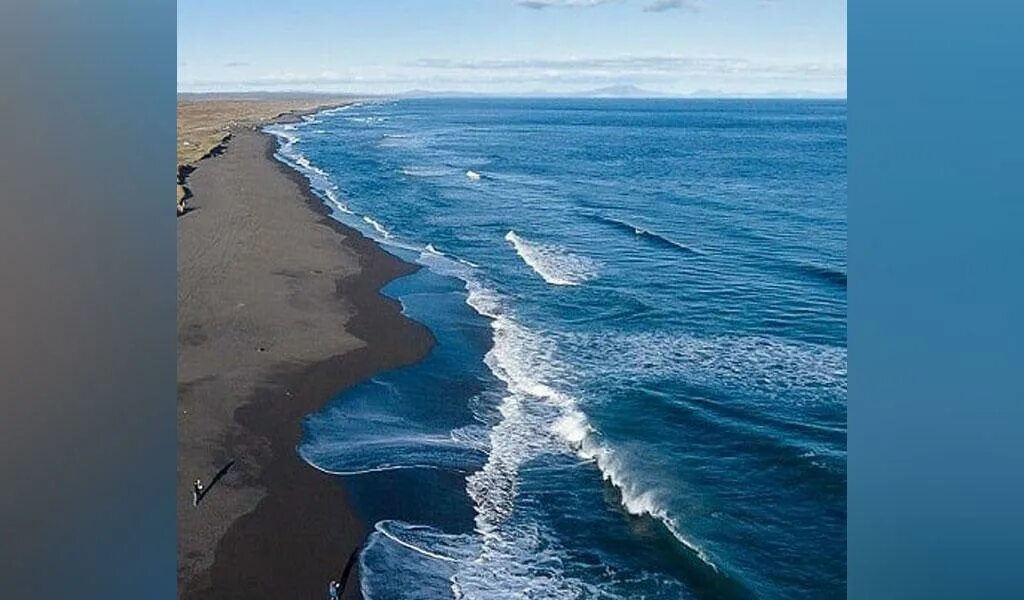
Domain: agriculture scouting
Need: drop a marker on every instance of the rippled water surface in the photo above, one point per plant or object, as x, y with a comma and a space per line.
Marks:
639, 386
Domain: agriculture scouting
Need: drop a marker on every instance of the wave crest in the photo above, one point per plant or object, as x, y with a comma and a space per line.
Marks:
646, 234
554, 264
377, 226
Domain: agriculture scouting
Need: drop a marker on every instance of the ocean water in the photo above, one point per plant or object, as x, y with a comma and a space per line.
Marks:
639, 383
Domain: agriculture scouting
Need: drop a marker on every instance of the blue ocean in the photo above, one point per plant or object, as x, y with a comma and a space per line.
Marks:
639, 382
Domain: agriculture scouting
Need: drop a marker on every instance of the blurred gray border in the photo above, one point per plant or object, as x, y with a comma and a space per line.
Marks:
87, 299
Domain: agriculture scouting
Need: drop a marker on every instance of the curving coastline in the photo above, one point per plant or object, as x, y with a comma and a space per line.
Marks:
205, 123
278, 310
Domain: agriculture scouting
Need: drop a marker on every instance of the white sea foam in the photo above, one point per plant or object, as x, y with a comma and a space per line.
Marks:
332, 196
472, 175
309, 167
533, 418
381, 468
418, 171
508, 555
576, 430
377, 226
508, 550
636, 499
554, 264
321, 182
287, 138
397, 532
336, 110
401, 140
402, 561
287, 153
761, 366
443, 264
483, 300
536, 418
363, 439
430, 251
368, 120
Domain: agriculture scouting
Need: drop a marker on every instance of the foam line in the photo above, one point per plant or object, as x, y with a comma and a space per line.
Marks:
554, 264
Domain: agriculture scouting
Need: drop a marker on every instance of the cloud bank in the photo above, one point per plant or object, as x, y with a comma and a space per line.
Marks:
671, 74
632, 66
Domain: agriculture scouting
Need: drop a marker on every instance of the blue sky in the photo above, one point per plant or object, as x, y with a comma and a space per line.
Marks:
513, 46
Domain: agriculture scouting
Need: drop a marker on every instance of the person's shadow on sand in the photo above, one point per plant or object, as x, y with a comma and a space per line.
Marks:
214, 481
336, 589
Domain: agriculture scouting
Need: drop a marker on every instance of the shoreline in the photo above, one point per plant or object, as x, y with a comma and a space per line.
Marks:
205, 123
293, 528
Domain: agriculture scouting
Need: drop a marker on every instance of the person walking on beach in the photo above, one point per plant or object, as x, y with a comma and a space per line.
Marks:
197, 491
333, 590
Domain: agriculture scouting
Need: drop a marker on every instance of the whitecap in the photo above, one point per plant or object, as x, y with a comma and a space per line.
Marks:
377, 226
332, 197
418, 171
554, 264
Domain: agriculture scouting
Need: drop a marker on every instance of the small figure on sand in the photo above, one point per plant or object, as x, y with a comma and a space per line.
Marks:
197, 491
334, 590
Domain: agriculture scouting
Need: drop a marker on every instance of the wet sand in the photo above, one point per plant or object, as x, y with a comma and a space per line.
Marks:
278, 310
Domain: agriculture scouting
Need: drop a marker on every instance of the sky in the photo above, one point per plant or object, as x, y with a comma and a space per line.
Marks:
684, 47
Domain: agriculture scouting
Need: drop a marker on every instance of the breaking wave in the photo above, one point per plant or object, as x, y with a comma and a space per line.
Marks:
529, 433
332, 197
537, 419
376, 226
414, 171
553, 263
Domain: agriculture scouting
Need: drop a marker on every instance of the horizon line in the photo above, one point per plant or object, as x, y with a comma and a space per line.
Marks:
642, 95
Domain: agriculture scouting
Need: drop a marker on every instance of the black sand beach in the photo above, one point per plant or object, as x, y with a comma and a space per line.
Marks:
278, 310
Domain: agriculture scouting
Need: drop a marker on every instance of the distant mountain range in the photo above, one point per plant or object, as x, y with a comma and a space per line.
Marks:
612, 91
620, 91
626, 91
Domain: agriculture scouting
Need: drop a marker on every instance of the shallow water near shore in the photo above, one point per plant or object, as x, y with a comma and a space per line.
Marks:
639, 382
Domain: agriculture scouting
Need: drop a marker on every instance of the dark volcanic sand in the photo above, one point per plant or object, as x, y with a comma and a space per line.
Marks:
278, 310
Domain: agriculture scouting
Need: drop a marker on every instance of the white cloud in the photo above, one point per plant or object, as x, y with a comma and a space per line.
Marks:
659, 73
669, 65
